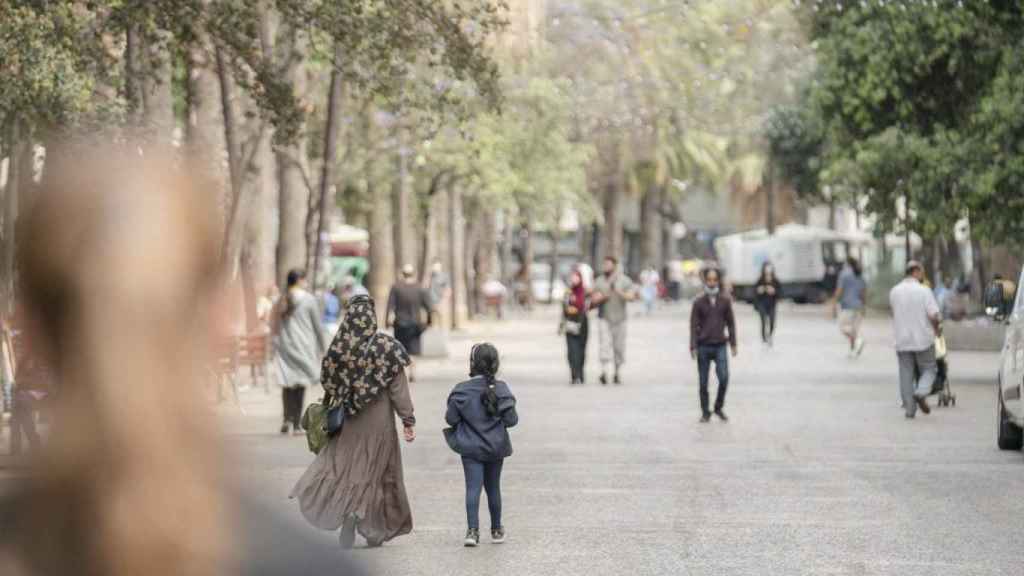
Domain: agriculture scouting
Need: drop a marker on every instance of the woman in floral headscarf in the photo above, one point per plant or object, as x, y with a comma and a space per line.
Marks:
356, 480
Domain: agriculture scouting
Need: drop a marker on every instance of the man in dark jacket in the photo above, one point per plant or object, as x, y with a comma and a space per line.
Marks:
712, 326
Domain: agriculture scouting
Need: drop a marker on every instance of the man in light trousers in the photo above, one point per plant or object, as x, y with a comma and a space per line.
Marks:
916, 323
612, 291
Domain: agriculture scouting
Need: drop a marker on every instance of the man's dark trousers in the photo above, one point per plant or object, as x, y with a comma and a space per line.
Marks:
719, 354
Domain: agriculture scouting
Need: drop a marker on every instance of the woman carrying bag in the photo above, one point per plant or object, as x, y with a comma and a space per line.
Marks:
575, 326
356, 481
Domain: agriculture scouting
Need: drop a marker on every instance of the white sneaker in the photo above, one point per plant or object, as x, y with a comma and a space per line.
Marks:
859, 346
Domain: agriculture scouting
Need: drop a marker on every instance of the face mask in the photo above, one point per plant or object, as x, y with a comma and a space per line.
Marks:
711, 291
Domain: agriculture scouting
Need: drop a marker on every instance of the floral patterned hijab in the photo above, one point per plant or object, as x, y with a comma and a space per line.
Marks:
361, 362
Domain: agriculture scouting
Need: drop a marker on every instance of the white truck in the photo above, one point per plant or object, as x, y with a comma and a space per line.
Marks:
1005, 306
807, 260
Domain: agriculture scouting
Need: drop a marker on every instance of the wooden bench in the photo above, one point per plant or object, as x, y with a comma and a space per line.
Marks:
254, 352
225, 368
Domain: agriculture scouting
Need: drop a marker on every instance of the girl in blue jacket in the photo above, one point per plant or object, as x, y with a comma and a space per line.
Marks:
480, 412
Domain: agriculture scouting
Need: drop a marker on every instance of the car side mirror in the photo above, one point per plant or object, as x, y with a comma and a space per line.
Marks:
998, 304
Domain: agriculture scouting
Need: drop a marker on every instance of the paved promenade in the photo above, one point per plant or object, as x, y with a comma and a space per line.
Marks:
817, 473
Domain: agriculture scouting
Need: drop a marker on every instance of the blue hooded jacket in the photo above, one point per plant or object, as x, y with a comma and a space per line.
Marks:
474, 433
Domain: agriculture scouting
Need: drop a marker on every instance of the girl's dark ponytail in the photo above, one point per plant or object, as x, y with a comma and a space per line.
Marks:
294, 276
483, 361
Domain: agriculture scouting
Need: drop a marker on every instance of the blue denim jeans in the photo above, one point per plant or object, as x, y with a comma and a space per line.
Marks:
486, 475
719, 354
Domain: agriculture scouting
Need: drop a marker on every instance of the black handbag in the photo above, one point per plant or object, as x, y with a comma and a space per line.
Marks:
335, 420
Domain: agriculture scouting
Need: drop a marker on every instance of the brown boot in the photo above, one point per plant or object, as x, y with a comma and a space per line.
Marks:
922, 403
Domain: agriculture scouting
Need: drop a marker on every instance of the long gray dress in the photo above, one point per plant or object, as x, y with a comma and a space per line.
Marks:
359, 471
300, 342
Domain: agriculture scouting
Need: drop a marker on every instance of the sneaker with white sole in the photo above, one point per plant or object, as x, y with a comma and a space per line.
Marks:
472, 538
859, 346
498, 535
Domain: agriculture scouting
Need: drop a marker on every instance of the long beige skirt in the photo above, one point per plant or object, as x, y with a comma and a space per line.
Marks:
359, 472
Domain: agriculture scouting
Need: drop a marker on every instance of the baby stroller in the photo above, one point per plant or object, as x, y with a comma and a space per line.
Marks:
941, 385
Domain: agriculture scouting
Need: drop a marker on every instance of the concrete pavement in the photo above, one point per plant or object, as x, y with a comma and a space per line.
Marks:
817, 473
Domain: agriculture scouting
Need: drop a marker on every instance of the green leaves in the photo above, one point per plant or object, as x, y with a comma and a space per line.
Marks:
917, 101
46, 76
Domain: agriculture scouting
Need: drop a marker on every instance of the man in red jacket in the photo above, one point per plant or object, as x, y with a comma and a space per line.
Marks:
712, 326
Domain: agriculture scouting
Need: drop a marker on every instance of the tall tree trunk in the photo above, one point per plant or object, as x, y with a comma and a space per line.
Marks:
769, 190
486, 255
428, 244
249, 291
529, 253
457, 253
612, 220
556, 238
507, 241
472, 247
240, 169
157, 95
405, 250
382, 252
17, 150
206, 144
134, 73
650, 227
330, 154
907, 229
980, 272
668, 242
292, 170
952, 262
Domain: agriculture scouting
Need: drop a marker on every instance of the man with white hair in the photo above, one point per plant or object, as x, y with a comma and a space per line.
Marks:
916, 323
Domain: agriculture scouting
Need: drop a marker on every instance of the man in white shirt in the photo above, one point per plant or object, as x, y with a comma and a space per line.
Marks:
916, 323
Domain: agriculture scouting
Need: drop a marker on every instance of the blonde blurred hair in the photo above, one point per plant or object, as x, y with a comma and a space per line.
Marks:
119, 273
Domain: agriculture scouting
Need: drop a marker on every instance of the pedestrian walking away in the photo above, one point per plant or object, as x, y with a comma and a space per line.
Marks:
299, 343
916, 324
480, 412
576, 326
768, 290
850, 300
612, 291
712, 329
649, 282
407, 303
356, 482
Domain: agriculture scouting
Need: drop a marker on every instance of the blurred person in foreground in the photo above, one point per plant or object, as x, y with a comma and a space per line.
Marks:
299, 343
356, 481
917, 321
132, 480
712, 329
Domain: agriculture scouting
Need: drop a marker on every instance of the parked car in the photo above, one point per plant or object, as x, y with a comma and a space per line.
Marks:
1004, 302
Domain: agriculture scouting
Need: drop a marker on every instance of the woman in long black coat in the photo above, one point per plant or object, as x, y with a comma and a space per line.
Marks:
574, 325
768, 290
